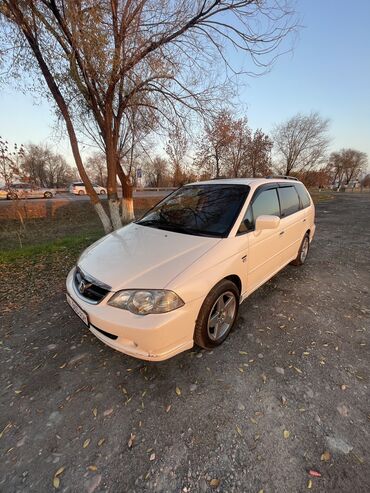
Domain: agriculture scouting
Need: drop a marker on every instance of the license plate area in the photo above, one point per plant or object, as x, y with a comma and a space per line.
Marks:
78, 311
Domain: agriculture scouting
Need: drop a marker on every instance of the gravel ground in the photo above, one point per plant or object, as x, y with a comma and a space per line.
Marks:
287, 393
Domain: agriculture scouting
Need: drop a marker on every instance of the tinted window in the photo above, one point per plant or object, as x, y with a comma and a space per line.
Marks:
205, 210
266, 203
303, 195
289, 201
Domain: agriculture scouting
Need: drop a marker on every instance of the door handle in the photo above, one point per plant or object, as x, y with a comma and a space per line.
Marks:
281, 233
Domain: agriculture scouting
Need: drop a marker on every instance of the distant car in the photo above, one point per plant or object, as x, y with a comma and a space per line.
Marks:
28, 191
78, 188
3, 193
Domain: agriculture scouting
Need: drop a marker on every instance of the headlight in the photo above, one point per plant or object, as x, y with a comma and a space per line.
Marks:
143, 302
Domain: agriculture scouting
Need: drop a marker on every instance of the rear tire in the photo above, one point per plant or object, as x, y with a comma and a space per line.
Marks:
12, 196
303, 251
48, 195
217, 315
81, 192
102, 192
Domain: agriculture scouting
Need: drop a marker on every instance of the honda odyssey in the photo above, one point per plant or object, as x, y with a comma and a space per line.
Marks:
177, 276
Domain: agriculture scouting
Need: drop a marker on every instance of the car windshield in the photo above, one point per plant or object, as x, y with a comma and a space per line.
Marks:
202, 210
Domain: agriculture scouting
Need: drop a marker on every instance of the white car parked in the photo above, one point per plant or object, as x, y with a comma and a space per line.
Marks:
29, 191
178, 275
78, 188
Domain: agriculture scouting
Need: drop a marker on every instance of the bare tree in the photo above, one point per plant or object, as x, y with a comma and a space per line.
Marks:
10, 162
301, 142
237, 148
259, 154
44, 167
97, 168
157, 172
214, 144
111, 60
176, 148
346, 165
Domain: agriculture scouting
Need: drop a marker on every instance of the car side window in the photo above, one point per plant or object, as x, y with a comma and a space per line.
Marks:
289, 201
265, 203
303, 195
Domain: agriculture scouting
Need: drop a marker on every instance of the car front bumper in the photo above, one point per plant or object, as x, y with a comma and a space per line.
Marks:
153, 337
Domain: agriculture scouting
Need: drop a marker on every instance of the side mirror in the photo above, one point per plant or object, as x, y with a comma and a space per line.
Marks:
267, 222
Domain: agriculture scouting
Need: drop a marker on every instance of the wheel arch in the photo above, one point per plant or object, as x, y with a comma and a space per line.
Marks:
236, 280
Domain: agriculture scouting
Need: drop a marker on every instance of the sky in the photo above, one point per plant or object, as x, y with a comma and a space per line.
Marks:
328, 71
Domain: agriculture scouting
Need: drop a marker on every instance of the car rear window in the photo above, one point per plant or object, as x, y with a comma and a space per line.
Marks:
303, 195
289, 201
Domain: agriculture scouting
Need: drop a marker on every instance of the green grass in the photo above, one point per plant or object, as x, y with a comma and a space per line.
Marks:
73, 244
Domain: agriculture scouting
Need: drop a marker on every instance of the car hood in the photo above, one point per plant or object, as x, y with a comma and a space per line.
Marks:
138, 256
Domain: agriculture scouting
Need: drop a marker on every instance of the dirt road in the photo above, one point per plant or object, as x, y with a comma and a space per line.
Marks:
289, 385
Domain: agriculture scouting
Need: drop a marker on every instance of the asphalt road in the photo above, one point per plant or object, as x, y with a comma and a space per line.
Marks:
287, 393
71, 197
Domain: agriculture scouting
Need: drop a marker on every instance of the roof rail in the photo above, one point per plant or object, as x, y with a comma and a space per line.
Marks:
282, 177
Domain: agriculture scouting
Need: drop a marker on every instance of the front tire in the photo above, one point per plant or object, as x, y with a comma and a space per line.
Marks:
48, 195
217, 315
81, 192
303, 251
12, 196
102, 192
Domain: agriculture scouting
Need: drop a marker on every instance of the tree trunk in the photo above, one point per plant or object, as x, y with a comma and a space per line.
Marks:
128, 214
59, 99
107, 224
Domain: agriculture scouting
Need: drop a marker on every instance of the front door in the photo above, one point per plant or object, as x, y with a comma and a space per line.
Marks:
264, 247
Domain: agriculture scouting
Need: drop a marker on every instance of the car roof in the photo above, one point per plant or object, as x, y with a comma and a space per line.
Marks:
252, 182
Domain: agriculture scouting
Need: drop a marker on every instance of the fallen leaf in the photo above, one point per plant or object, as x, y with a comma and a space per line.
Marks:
86, 443
325, 456
309, 484
168, 408
286, 434
343, 387
63, 365
95, 412
214, 483
59, 471
92, 468
108, 412
264, 378
239, 430
152, 456
253, 421
314, 474
56, 482
131, 440
297, 370
101, 441
261, 491
241, 370
178, 391
243, 353
360, 459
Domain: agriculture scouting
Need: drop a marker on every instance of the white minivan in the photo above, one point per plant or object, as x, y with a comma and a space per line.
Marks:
78, 188
178, 275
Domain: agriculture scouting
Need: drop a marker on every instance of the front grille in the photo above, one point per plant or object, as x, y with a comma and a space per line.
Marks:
88, 287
